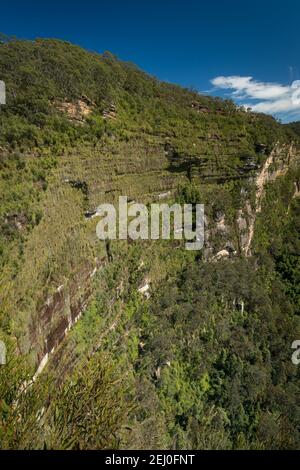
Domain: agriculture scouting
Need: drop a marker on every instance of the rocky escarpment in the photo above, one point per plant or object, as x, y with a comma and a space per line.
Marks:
60, 312
66, 305
276, 165
239, 240
197, 339
137, 137
223, 239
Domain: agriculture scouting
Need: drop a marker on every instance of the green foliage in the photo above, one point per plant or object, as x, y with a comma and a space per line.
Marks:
205, 361
88, 410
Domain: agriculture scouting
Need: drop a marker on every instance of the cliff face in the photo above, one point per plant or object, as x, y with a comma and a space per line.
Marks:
236, 236
60, 312
277, 164
55, 315
69, 144
75, 144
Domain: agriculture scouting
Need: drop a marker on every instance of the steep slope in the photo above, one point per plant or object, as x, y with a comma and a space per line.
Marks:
80, 129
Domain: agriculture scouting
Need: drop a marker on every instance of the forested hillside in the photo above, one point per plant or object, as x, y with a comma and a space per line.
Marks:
142, 344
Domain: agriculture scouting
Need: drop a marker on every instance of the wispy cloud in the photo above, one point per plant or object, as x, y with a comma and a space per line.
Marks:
272, 98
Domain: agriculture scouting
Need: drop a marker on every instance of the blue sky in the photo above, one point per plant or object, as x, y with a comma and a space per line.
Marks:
248, 50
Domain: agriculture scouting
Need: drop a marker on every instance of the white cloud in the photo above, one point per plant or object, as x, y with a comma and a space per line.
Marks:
264, 97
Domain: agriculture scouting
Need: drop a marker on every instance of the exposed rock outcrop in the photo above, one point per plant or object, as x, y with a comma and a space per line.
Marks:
60, 312
77, 110
276, 164
110, 112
